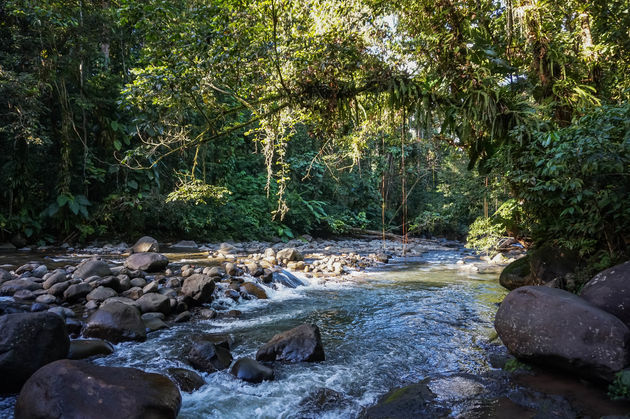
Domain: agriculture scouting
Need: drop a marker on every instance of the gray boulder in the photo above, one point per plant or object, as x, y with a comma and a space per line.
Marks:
516, 274
610, 291
290, 254
92, 267
147, 261
208, 357
76, 292
251, 371
12, 286
116, 322
187, 380
146, 244
101, 294
57, 276
78, 389
153, 302
29, 341
197, 289
554, 327
5, 276
302, 343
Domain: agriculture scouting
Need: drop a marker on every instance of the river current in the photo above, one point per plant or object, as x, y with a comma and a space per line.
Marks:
412, 320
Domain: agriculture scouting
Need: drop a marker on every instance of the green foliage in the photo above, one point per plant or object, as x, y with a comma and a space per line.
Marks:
513, 365
197, 192
573, 181
316, 117
619, 389
486, 233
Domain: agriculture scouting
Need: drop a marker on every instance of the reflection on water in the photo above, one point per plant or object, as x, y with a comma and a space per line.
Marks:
399, 326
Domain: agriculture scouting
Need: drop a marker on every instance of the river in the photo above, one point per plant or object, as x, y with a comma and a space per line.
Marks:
415, 319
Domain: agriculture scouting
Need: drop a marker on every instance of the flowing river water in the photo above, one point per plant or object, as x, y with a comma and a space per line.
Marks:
412, 320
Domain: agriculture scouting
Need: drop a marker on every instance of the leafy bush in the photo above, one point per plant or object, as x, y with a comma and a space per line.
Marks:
575, 181
486, 233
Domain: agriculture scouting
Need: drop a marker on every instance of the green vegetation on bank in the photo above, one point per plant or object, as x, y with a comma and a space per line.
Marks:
230, 119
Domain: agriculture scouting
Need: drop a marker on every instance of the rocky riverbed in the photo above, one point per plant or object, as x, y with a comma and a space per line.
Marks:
227, 312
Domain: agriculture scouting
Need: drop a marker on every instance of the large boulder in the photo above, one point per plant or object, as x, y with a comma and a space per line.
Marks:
145, 244
290, 254
251, 371
147, 261
78, 389
610, 291
115, 322
29, 341
92, 267
516, 274
197, 289
208, 357
554, 327
302, 343
154, 302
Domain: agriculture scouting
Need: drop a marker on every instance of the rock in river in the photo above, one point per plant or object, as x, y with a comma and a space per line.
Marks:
29, 341
146, 244
208, 357
303, 343
78, 389
147, 261
115, 322
154, 302
412, 401
251, 371
254, 289
92, 267
516, 274
197, 289
554, 327
187, 380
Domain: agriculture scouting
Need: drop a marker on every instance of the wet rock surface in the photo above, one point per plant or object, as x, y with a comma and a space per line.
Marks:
610, 291
29, 341
115, 322
208, 357
187, 380
79, 389
557, 328
303, 343
247, 369
85, 348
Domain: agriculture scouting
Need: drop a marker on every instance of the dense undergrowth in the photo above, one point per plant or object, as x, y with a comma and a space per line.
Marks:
271, 119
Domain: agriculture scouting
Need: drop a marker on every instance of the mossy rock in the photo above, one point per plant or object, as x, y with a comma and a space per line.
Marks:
516, 274
412, 401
